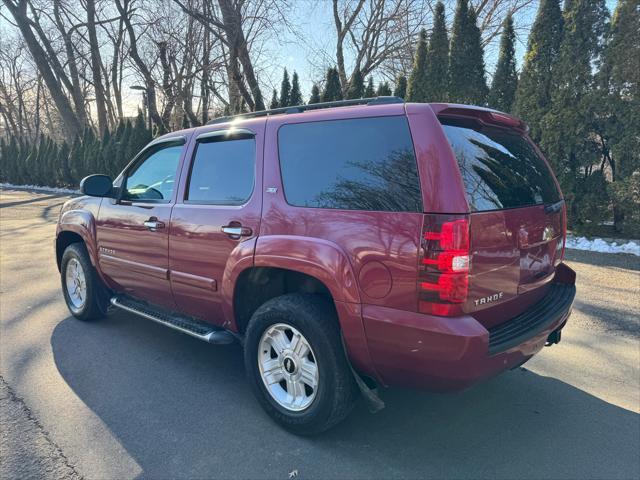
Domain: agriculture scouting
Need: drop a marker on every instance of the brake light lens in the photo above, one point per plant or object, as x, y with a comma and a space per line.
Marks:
443, 281
453, 235
503, 119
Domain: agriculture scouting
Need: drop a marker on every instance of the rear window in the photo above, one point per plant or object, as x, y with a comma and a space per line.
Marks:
500, 168
355, 164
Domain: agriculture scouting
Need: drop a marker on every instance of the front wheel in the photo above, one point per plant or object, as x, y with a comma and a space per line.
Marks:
84, 294
296, 363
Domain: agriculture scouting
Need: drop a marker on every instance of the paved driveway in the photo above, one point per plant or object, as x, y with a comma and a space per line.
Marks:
127, 398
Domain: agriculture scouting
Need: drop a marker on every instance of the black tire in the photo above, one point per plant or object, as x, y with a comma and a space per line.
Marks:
96, 301
315, 318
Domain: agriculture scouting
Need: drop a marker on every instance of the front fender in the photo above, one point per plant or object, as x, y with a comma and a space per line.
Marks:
82, 223
318, 258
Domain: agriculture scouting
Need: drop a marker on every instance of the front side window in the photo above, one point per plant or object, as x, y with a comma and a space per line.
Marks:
354, 164
153, 178
223, 171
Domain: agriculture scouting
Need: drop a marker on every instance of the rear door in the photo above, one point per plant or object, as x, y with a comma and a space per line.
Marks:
516, 222
217, 219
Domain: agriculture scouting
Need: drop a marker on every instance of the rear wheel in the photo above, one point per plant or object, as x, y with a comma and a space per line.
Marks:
296, 363
84, 294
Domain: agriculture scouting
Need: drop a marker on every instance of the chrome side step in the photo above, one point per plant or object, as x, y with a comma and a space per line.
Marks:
200, 330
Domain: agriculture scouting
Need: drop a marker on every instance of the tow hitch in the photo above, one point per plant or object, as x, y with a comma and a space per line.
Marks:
554, 337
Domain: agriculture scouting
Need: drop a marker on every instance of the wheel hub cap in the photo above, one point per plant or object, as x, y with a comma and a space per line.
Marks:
288, 367
76, 283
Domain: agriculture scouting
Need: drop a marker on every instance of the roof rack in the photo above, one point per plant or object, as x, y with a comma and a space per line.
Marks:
304, 108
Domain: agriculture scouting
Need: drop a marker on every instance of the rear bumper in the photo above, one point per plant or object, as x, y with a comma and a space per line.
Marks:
444, 354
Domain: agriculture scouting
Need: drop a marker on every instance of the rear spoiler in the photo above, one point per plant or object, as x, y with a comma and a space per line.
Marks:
483, 115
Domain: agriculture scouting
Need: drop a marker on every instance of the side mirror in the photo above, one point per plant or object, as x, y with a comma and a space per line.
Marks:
97, 185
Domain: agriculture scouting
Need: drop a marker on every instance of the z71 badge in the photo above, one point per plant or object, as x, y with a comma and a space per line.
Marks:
488, 299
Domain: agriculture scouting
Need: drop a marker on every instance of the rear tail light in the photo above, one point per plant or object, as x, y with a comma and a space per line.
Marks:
443, 277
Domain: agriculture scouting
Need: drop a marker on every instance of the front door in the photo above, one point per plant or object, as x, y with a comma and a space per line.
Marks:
132, 231
216, 224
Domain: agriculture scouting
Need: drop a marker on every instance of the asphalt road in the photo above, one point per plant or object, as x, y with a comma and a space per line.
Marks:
127, 398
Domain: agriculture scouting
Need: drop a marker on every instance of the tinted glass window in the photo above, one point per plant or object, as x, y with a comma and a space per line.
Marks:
154, 177
223, 172
500, 168
359, 164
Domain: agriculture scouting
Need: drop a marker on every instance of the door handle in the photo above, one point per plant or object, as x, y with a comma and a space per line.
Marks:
236, 231
153, 224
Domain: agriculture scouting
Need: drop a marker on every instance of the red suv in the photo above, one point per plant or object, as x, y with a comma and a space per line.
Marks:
345, 245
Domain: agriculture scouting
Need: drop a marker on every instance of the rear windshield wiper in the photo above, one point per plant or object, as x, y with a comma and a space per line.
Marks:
554, 207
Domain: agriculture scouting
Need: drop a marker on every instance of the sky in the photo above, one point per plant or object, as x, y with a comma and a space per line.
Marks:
299, 50
315, 22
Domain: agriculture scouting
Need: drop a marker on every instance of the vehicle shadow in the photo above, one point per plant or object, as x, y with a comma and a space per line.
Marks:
618, 260
182, 409
39, 198
619, 320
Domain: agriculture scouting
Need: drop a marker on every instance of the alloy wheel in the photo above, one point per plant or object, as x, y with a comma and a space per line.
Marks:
288, 367
76, 284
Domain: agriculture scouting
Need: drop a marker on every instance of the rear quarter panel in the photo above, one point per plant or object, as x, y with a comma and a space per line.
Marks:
363, 257
385, 242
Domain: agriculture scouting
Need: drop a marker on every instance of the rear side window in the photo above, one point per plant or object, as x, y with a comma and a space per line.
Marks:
223, 172
355, 164
499, 167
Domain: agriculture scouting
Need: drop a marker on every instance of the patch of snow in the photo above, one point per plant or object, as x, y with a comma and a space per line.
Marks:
40, 188
600, 245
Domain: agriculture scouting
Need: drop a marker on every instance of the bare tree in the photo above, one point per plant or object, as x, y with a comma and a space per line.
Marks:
113, 71
204, 81
49, 67
96, 67
379, 35
238, 25
375, 33
76, 90
491, 14
125, 7
14, 85
193, 57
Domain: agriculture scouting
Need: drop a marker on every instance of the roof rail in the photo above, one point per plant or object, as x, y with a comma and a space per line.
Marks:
304, 108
